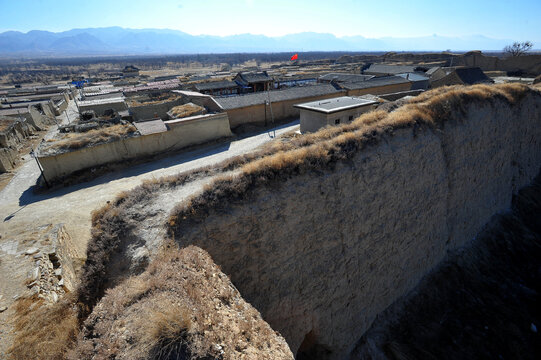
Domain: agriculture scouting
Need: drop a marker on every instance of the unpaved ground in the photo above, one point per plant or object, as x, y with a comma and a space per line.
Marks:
22, 212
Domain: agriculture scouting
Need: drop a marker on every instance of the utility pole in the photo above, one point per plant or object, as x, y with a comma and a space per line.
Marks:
272, 115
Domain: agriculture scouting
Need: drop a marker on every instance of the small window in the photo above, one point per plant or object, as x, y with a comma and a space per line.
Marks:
337, 121
351, 118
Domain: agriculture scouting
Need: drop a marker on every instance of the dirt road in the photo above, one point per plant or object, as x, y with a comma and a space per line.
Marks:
21, 210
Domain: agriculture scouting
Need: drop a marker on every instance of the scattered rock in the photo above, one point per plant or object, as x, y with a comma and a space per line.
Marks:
54, 296
34, 274
38, 255
31, 251
15, 297
34, 290
3, 308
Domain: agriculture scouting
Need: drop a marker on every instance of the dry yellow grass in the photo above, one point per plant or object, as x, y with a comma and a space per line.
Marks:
183, 307
44, 332
186, 110
74, 141
154, 100
166, 329
329, 145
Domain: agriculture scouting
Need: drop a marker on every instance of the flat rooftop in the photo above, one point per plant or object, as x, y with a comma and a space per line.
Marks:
329, 106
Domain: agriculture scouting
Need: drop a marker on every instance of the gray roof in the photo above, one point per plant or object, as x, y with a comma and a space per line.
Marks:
413, 77
299, 92
375, 82
473, 75
296, 77
216, 85
329, 106
150, 127
254, 77
431, 71
390, 69
342, 77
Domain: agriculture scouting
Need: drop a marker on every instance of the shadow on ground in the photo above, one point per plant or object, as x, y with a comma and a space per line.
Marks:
36, 194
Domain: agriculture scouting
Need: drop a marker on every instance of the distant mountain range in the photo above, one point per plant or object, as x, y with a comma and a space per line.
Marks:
121, 41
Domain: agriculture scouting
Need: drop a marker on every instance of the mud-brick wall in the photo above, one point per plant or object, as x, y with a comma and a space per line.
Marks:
183, 133
146, 112
260, 114
321, 254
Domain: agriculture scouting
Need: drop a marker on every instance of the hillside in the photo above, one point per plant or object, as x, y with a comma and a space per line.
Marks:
121, 41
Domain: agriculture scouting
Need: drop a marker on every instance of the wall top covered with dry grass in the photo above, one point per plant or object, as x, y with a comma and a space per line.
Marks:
74, 141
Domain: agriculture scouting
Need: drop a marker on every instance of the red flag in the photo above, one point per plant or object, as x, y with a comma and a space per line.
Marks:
295, 57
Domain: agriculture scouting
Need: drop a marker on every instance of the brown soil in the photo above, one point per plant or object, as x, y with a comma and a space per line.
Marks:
483, 303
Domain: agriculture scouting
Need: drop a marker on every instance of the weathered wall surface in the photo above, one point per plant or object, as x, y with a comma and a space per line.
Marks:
151, 111
99, 107
261, 114
323, 253
312, 121
182, 133
378, 90
530, 64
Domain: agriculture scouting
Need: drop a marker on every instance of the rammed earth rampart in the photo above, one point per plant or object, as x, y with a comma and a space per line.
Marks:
326, 233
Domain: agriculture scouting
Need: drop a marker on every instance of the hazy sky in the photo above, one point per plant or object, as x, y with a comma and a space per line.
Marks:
503, 19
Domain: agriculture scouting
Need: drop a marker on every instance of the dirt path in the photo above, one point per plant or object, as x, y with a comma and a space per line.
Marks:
21, 209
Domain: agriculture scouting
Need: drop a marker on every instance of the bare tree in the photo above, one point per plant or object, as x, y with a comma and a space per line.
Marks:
518, 48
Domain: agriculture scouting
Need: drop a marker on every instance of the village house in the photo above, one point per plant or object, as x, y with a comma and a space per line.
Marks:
254, 81
342, 78
387, 70
130, 71
377, 86
256, 109
341, 110
286, 81
217, 88
418, 80
436, 73
463, 76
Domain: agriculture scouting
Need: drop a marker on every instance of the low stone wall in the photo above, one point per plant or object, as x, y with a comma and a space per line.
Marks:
60, 107
99, 107
151, 111
182, 133
8, 159
10, 141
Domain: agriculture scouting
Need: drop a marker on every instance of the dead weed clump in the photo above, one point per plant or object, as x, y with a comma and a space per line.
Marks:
186, 110
181, 307
44, 331
74, 141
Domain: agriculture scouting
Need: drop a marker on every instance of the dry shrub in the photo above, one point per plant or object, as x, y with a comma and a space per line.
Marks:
166, 331
166, 97
44, 331
186, 110
181, 307
74, 141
